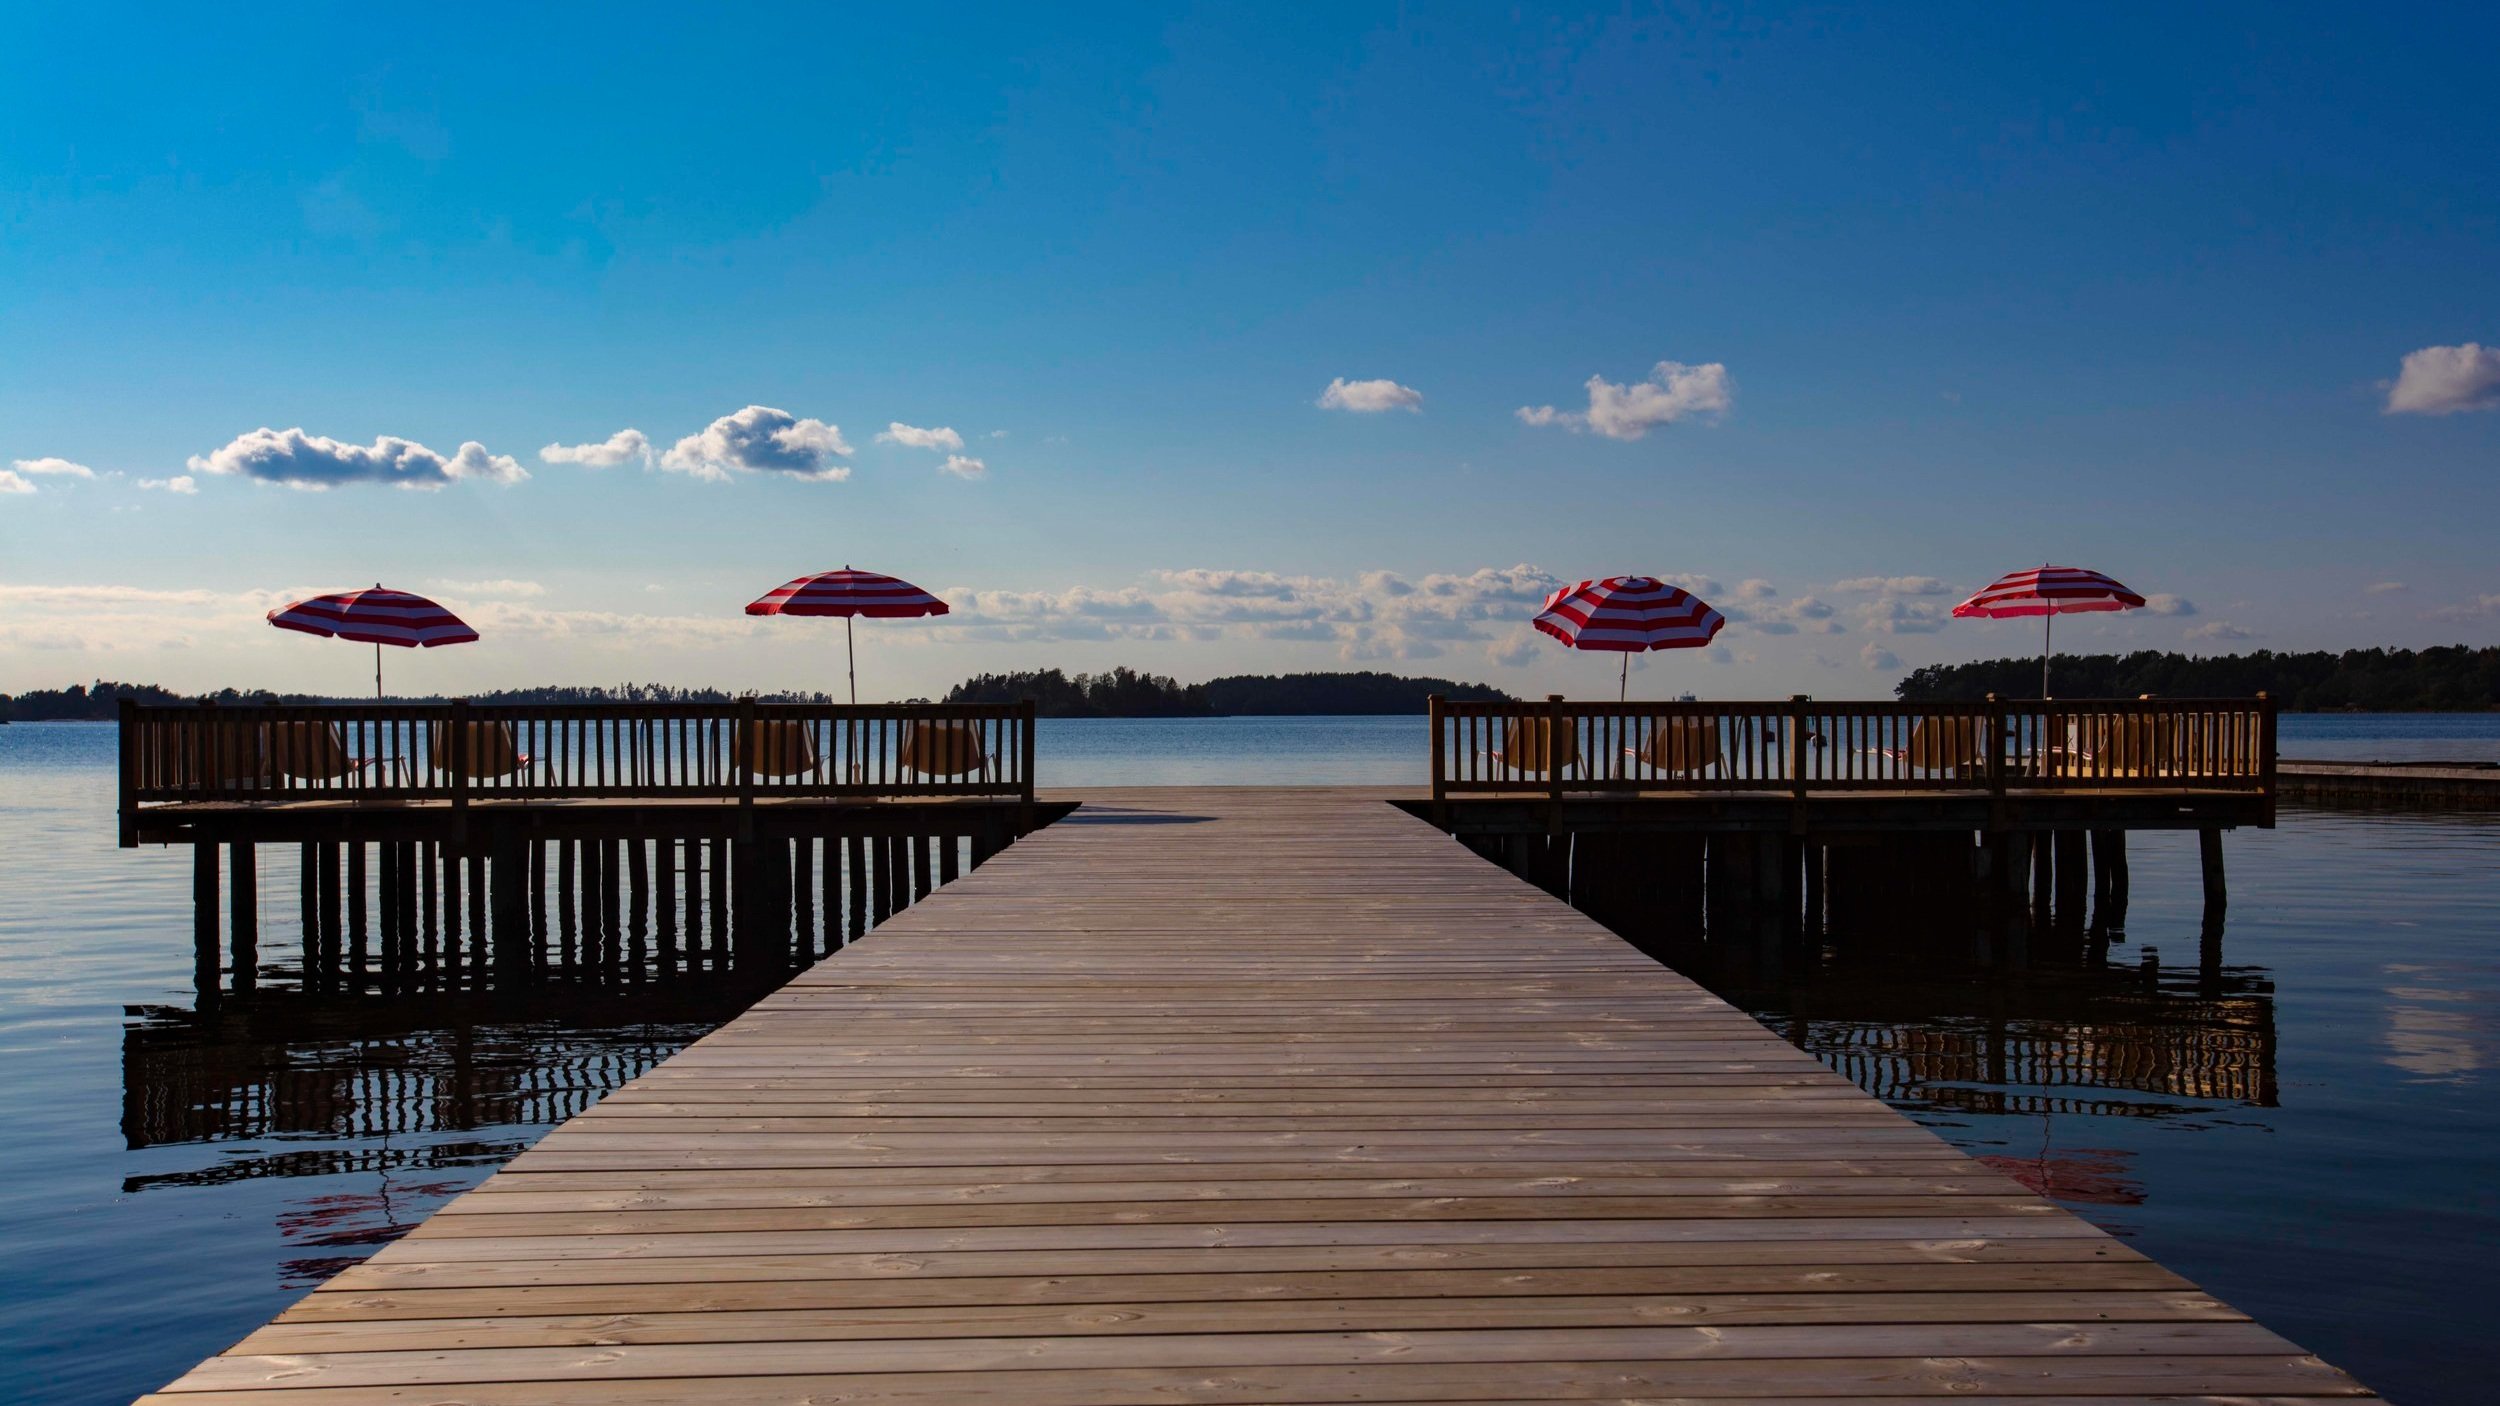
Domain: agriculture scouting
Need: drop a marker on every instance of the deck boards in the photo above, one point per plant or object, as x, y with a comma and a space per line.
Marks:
1247, 1096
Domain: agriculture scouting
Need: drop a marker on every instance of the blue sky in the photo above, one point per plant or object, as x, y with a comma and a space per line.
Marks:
1922, 296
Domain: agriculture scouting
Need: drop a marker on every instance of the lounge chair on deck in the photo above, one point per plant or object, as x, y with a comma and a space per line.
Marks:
1531, 744
1679, 747
943, 749
2119, 746
206, 755
778, 749
312, 751
493, 750
1950, 746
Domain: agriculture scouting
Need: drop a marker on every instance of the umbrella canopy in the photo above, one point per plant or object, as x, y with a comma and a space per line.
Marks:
376, 617
1629, 614
2048, 592
849, 593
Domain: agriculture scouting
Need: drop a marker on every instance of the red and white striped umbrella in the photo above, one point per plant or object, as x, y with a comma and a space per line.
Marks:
2048, 592
376, 617
849, 594
1629, 614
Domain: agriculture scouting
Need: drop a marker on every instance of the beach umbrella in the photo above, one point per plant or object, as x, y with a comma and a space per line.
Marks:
2048, 592
1628, 614
849, 594
377, 617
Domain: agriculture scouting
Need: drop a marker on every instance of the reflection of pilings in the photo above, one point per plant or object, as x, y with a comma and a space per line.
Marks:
419, 916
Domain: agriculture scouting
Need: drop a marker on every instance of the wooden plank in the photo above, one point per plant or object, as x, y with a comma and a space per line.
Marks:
1246, 1096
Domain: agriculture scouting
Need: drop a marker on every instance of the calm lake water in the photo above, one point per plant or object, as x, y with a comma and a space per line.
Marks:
2310, 1130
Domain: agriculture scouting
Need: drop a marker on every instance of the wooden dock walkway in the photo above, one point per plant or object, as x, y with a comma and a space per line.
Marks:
1247, 1096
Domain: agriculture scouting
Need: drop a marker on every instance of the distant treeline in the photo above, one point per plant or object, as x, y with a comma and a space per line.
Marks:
1126, 693
2450, 679
101, 700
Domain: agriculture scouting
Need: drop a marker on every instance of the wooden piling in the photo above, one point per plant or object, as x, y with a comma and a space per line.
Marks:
356, 933
803, 895
308, 898
244, 914
327, 863
855, 859
2072, 875
206, 952
2209, 853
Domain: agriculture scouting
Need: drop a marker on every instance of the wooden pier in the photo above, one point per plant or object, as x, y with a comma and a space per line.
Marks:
1242, 1096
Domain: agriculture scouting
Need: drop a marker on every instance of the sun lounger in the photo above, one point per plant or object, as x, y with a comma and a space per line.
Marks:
492, 750
1679, 747
943, 749
1531, 744
778, 749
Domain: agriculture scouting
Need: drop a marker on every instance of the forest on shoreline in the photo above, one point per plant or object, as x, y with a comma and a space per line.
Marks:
1115, 693
2444, 679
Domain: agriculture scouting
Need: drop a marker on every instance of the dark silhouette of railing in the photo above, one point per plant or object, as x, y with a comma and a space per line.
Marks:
1804, 746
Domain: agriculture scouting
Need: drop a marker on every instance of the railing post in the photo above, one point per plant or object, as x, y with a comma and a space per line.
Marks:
1797, 763
458, 736
1996, 745
2265, 752
1553, 757
1432, 714
742, 756
1026, 712
127, 746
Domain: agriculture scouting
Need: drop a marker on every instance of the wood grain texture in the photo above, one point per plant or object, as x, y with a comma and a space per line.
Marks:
1236, 1096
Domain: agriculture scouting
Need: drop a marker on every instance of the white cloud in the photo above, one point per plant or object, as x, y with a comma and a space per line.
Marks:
1674, 391
2480, 607
1875, 656
913, 437
2385, 588
626, 446
504, 587
53, 468
2445, 380
11, 482
1893, 586
1893, 615
315, 462
964, 466
1756, 589
2169, 605
998, 434
1806, 614
1693, 581
1370, 397
760, 439
2219, 630
182, 484
1373, 615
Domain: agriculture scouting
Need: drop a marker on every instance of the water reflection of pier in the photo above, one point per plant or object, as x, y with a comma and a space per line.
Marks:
329, 1084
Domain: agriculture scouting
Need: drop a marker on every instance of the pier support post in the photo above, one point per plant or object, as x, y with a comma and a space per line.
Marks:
664, 903
2072, 874
855, 860
205, 950
803, 896
357, 936
2217, 890
244, 914
395, 942
327, 862
308, 899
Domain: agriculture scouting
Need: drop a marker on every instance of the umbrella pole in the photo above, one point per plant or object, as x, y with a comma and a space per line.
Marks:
2046, 619
850, 649
377, 673
1623, 686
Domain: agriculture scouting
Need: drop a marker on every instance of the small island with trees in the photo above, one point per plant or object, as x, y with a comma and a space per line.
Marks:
2447, 679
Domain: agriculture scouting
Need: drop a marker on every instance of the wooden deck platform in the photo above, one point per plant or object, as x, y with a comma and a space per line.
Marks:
1247, 1096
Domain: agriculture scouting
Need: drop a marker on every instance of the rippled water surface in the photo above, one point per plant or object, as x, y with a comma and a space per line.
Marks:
2307, 1125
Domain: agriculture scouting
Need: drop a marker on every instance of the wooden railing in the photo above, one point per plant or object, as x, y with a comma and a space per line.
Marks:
462, 752
1804, 746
